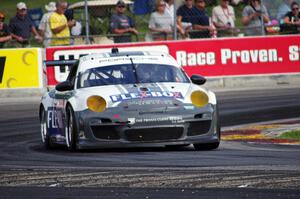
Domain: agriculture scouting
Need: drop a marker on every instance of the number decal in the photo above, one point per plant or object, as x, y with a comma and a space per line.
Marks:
2, 64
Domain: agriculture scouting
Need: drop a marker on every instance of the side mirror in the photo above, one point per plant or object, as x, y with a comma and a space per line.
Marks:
64, 86
198, 79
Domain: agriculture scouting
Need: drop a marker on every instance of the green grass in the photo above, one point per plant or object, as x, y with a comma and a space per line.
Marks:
295, 135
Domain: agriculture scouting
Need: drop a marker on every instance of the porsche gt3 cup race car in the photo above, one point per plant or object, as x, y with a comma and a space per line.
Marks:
129, 99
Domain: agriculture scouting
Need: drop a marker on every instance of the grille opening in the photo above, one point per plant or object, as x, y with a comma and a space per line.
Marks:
105, 132
144, 89
197, 116
199, 128
106, 120
154, 134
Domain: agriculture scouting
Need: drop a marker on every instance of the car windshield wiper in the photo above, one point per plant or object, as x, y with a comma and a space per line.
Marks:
134, 70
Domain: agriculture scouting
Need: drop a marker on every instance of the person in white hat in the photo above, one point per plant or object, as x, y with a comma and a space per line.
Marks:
21, 27
44, 27
121, 25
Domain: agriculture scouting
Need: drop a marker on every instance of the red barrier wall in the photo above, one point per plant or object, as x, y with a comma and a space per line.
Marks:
208, 57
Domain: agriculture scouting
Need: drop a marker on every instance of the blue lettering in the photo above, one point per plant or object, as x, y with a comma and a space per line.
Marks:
144, 94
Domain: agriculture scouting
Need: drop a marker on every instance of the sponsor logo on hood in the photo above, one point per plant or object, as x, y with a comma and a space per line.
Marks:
146, 94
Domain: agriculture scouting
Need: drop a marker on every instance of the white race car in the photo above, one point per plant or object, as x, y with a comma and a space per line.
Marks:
129, 99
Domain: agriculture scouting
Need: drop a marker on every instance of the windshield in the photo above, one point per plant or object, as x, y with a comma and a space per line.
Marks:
131, 74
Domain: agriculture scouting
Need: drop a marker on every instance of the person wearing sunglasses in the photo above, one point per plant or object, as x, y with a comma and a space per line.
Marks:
292, 19
121, 26
255, 15
4, 31
160, 22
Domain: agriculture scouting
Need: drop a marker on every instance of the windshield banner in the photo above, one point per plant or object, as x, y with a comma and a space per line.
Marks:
242, 56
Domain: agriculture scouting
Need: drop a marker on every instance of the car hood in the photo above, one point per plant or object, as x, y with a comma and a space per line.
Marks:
118, 95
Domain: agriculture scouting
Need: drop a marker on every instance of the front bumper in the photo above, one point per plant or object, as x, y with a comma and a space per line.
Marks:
133, 129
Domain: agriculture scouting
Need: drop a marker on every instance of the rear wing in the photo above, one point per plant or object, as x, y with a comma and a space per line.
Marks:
51, 63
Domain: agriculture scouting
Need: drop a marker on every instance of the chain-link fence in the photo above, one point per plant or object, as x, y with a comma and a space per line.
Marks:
241, 18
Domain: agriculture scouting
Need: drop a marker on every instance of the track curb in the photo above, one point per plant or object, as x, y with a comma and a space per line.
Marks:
264, 132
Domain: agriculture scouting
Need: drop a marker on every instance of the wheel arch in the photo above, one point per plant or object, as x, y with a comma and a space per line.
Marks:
42, 107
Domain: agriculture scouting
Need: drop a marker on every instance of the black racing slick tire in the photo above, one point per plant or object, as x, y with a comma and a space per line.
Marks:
204, 147
44, 129
71, 130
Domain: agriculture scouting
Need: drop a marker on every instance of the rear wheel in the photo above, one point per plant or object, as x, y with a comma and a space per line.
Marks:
71, 130
44, 129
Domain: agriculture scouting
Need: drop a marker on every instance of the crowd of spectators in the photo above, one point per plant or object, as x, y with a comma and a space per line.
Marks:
160, 22
21, 27
189, 20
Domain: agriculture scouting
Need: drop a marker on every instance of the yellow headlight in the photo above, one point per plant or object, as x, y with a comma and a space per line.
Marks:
96, 103
199, 98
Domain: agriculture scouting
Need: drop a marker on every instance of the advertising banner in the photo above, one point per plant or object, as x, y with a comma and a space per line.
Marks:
20, 68
208, 57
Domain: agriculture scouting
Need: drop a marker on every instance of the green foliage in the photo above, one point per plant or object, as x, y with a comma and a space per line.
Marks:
295, 135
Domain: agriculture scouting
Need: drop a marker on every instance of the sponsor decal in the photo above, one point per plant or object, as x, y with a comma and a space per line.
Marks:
294, 53
228, 56
219, 57
131, 120
54, 118
172, 119
145, 94
239, 56
150, 102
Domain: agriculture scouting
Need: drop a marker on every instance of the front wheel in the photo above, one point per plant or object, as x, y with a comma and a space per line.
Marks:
210, 146
214, 145
44, 129
71, 130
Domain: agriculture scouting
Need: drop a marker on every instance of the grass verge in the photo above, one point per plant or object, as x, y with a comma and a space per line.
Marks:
294, 135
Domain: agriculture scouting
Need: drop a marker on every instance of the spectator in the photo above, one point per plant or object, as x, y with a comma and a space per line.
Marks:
44, 24
21, 26
292, 20
160, 23
60, 26
223, 18
185, 15
121, 25
254, 17
170, 8
283, 9
4, 32
201, 22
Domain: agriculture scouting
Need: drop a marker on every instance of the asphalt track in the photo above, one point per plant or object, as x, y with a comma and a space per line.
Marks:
235, 170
